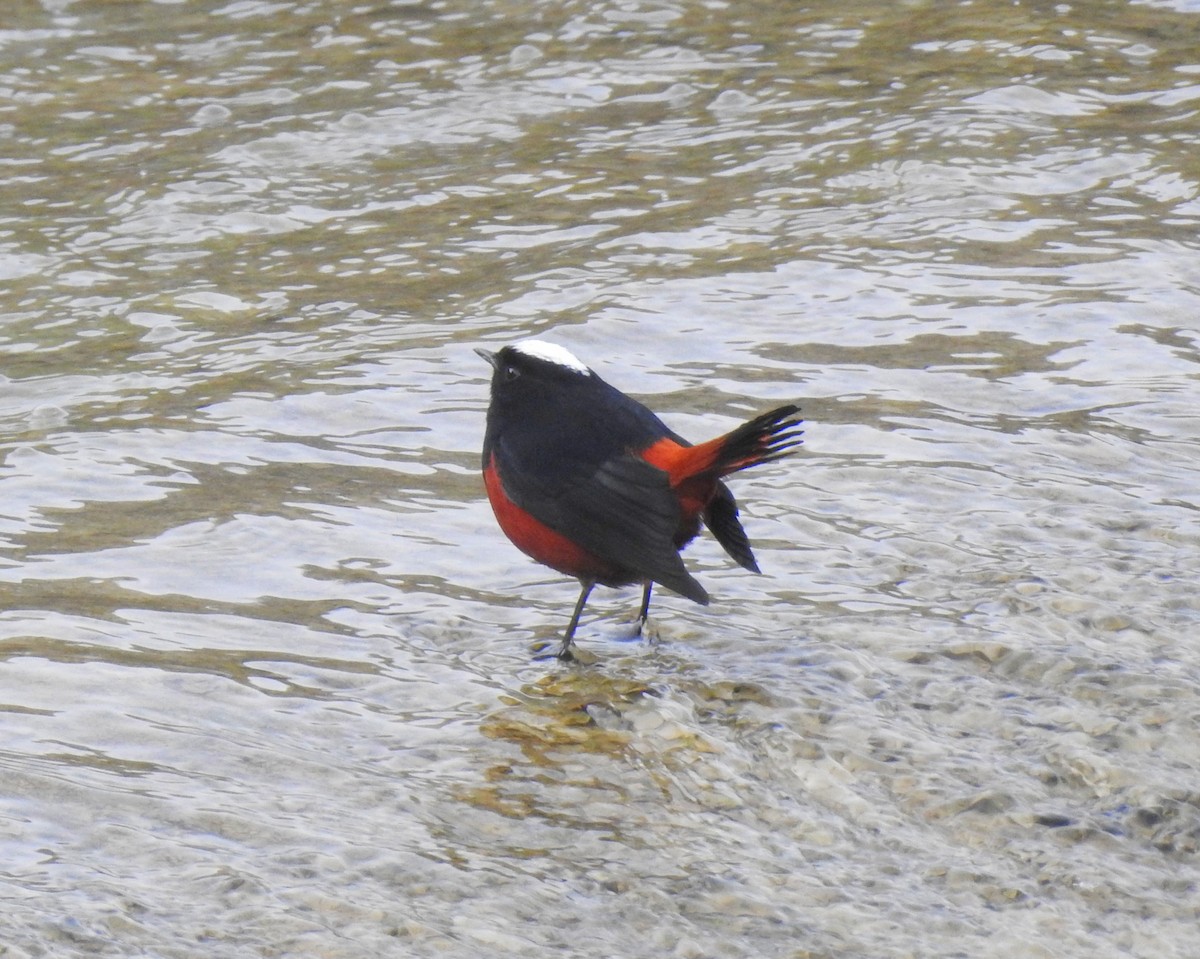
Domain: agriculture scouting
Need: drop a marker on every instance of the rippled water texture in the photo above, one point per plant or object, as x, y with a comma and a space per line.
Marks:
267, 664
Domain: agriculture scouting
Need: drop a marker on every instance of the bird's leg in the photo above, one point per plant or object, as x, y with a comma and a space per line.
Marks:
644, 612
564, 651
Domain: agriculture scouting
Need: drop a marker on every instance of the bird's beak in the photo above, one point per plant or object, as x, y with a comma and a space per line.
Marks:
489, 356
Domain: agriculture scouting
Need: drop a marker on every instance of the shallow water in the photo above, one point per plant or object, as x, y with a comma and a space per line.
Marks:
269, 685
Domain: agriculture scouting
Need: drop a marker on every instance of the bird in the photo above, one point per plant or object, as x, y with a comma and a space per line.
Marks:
589, 482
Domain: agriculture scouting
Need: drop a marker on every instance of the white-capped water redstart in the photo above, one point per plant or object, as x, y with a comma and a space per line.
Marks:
588, 481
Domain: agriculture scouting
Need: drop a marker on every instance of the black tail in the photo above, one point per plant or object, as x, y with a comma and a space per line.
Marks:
768, 437
721, 517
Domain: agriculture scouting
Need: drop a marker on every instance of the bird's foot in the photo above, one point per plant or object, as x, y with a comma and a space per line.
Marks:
645, 629
565, 653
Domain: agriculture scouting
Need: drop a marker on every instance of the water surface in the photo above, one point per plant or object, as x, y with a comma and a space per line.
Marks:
269, 686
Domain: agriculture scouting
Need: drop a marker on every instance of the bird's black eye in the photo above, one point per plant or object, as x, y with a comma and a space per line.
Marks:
511, 373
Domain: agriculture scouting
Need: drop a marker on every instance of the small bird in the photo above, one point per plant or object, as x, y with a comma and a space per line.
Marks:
589, 482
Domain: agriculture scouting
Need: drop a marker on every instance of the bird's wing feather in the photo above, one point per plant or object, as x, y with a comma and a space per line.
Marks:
624, 511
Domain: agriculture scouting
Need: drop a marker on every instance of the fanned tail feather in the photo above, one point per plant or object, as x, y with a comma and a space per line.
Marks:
768, 437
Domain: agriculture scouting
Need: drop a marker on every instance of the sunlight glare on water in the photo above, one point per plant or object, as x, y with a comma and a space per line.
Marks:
270, 685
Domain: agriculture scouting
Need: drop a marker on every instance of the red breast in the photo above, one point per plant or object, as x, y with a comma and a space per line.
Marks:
538, 540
